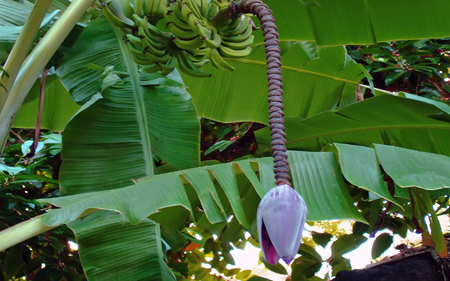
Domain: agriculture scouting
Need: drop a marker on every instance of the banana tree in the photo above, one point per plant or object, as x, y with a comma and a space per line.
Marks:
128, 116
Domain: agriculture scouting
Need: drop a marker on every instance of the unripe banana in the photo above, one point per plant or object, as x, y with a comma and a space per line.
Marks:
232, 53
241, 28
238, 45
192, 5
139, 7
169, 66
148, 53
148, 7
151, 68
114, 19
188, 67
189, 44
180, 33
218, 61
155, 48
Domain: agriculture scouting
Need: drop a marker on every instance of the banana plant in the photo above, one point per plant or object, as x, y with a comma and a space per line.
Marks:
128, 116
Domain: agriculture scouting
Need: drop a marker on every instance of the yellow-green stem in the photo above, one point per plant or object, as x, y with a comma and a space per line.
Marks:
436, 230
36, 62
21, 232
27, 229
21, 46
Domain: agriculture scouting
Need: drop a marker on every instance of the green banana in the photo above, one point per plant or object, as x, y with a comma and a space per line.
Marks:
155, 58
200, 52
218, 61
238, 45
214, 40
180, 24
148, 27
127, 9
124, 23
169, 66
239, 38
232, 25
194, 8
232, 53
211, 38
141, 60
136, 41
139, 7
188, 67
204, 5
136, 50
157, 49
238, 30
213, 10
148, 7
190, 44
201, 63
181, 10
151, 68
180, 33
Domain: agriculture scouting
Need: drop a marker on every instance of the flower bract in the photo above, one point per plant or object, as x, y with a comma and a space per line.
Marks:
281, 217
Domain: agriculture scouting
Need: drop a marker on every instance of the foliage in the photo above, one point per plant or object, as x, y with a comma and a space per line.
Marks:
24, 180
413, 66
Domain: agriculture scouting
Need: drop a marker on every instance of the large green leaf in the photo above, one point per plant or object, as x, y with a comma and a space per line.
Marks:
119, 242
58, 108
383, 119
360, 167
318, 178
116, 134
126, 118
346, 22
311, 84
163, 198
415, 168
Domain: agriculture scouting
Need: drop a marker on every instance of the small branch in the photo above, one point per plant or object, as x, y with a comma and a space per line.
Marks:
17, 136
37, 131
36, 62
22, 45
22, 231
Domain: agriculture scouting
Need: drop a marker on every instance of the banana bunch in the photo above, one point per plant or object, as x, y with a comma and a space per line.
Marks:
149, 47
200, 24
236, 42
200, 31
156, 51
154, 10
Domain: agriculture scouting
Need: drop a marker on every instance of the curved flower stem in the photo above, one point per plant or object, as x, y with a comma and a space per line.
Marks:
273, 57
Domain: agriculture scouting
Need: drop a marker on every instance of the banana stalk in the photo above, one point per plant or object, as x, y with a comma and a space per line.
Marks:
436, 230
36, 62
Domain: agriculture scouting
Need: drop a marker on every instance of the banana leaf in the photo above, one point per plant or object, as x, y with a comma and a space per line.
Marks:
359, 22
382, 119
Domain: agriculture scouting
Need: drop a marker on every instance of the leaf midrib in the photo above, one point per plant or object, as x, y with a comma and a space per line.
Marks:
376, 128
139, 103
293, 69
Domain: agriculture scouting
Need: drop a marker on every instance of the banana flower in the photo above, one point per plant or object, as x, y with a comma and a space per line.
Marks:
281, 217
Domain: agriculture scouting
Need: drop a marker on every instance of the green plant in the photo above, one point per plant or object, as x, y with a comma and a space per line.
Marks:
414, 66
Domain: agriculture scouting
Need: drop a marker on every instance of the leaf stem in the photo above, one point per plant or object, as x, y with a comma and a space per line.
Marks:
22, 45
36, 62
22, 231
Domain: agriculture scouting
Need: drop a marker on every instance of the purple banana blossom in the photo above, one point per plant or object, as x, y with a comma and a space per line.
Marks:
281, 217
